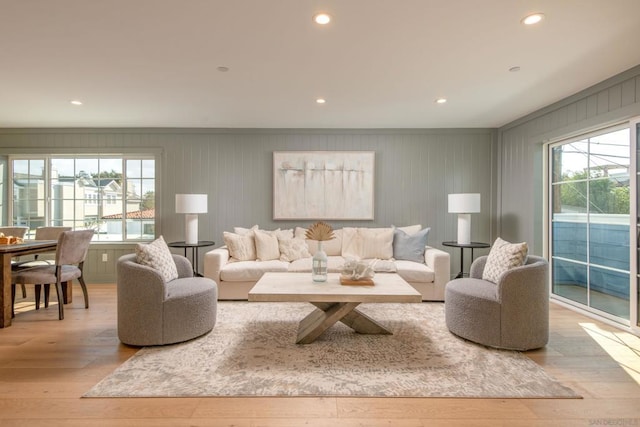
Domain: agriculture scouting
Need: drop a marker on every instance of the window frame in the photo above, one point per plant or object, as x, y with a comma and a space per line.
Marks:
123, 157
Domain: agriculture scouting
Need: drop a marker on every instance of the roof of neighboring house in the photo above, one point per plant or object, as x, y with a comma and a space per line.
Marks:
143, 214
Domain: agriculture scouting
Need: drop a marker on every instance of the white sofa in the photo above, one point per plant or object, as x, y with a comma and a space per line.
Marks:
236, 277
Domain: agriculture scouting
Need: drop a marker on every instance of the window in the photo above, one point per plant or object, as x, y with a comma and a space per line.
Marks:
590, 222
113, 195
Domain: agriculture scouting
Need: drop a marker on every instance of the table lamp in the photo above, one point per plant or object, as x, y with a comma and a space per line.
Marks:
464, 204
191, 205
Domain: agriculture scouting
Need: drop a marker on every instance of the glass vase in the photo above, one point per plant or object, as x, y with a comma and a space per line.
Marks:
319, 265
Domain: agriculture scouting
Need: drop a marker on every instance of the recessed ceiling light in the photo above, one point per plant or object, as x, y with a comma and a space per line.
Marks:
514, 69
322, 18
441, 100
532, 19
321, 101
76, 102
223, 69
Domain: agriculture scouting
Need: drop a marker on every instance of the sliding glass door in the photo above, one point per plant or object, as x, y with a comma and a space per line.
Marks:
590, 222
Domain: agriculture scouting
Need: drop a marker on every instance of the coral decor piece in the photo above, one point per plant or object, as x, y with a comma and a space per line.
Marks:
358, 270
320, 231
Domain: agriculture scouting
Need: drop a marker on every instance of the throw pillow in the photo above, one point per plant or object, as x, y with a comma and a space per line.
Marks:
241, 248
157, 256
293, 249
331, 247
502, 257
245, 231
367, 243
266, 245
410, 247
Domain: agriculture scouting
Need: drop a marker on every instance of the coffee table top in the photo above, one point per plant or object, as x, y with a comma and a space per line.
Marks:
299, 287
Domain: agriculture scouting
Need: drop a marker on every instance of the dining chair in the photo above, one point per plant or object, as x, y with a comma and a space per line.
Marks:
15, 232
71, 253
42, 233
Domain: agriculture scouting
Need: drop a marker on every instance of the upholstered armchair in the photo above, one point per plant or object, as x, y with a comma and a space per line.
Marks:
511, 314
154, 312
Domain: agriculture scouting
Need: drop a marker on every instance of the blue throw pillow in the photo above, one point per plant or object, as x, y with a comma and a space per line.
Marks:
410, 247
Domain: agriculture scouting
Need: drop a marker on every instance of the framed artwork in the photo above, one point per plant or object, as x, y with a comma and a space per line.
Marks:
314, 185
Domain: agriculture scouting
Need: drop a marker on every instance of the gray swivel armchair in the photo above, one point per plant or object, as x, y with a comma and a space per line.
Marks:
154, 312
511, 314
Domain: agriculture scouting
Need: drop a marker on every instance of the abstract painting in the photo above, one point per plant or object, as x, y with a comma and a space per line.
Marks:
323, 185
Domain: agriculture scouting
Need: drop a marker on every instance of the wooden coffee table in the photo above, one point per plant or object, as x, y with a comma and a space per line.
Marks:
334, 302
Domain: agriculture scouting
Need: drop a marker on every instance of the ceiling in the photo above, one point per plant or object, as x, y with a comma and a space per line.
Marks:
378, 64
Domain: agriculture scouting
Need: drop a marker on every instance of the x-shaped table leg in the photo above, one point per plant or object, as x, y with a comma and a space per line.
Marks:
328, 313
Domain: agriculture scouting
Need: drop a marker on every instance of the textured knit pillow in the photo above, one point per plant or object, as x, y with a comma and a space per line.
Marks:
157, 256
502, 257
266, 245
410, 247
293, 249
241, 248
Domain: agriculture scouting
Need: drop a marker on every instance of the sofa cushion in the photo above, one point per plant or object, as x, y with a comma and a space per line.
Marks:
502, 257
250, 271
157, 256
293, 249
267, 247
367, 243
415, 272
410, 247
331, 247
303, 265
241, 248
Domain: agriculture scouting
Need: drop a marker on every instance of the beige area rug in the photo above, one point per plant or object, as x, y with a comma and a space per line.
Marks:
252, 352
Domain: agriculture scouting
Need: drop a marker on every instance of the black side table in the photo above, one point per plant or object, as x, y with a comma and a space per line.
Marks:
194, 251
472, 246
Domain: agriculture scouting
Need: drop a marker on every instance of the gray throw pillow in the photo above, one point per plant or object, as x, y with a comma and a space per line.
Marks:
410, 247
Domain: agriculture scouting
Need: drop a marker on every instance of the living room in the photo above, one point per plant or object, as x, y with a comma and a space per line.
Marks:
494, 145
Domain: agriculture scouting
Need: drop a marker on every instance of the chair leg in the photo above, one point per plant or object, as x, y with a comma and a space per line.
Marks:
60, 303
24, 291
84, 291
64, 292
37, 292
47, 289
13, 300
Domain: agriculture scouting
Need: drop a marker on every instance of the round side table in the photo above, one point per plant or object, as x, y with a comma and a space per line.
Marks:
463, 246
194, 251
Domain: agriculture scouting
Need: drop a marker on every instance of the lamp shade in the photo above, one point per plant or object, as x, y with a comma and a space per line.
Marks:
464, 203
191, 203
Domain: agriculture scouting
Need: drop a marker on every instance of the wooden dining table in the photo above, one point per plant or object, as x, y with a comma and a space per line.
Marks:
7, 252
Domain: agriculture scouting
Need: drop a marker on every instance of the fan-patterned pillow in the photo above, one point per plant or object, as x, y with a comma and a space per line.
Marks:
502, 257
158, 256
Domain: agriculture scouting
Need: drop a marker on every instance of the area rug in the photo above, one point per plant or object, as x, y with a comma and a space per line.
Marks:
252, 352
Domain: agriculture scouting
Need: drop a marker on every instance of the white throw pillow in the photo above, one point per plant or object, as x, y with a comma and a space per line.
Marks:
367, 243
502, 257
266, 245
331, 247
241, 248
293, 250
157, 256
245, 231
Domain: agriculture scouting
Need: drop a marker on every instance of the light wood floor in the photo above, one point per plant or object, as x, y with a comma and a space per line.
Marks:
46, 365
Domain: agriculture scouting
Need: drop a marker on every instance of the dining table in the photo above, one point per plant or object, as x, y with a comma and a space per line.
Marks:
7, 252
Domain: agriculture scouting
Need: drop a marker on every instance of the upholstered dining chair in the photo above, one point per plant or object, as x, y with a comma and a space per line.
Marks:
71, 253
16, 232
42, 233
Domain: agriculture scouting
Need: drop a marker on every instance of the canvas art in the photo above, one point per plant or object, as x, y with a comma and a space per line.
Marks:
323, 185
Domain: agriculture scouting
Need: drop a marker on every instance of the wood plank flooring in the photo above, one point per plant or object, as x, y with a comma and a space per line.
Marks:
47, 364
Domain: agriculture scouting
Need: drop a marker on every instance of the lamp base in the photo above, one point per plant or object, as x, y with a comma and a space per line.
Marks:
464, 228
191, 229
